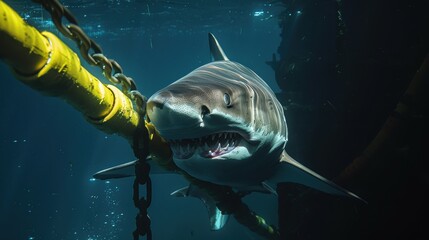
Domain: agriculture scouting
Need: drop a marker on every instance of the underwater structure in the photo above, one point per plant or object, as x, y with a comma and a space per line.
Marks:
367, 116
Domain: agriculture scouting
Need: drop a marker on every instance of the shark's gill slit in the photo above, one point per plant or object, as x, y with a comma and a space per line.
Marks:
209, 146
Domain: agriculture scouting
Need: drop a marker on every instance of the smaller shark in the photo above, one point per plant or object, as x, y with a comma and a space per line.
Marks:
225, 126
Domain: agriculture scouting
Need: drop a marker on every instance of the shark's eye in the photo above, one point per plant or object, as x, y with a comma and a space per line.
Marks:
227, 100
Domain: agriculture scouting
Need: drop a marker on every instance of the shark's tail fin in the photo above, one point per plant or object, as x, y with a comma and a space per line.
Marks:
290, 170
216, 217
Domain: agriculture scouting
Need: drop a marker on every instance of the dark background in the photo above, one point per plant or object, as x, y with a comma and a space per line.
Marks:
339, 80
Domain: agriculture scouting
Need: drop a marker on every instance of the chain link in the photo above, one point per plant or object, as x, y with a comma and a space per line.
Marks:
142, 169
140, 202
110, 68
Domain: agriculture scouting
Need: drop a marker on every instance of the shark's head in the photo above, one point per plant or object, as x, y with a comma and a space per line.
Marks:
222, 121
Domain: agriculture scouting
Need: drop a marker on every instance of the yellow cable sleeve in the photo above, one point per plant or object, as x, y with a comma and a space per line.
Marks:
21, 45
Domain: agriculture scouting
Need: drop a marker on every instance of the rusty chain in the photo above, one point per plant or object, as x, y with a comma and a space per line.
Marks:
113, 72
109, 67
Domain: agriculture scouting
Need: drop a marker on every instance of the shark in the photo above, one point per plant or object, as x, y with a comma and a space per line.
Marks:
225, 126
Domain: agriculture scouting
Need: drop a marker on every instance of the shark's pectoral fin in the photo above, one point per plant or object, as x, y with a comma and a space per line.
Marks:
120, 171
289, 170
216, 218
128, 170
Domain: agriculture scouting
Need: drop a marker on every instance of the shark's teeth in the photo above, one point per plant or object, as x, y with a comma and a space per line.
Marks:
208, 146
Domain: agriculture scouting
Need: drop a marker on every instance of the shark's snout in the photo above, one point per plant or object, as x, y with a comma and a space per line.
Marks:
173, 116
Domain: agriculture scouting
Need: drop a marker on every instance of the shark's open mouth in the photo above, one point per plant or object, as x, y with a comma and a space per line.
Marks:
208, 146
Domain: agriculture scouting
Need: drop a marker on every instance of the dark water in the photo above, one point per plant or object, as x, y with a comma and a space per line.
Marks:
338, 82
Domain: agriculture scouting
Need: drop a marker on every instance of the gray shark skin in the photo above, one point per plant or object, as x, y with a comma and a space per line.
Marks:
229, 141
225, 126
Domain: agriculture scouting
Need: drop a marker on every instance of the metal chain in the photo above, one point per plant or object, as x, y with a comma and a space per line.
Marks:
142, 169
110, 68
113, 72
140, 202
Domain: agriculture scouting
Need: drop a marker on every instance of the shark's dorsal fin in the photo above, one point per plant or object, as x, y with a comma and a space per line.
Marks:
216, 51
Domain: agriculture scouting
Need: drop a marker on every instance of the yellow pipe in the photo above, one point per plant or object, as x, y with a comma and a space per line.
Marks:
21, 45
45, 63
63, 76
